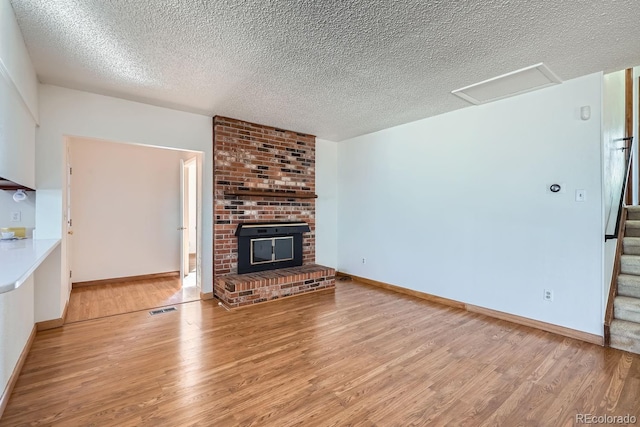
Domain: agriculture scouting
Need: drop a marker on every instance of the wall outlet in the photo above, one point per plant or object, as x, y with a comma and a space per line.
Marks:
16, 216
364, 260
548, 295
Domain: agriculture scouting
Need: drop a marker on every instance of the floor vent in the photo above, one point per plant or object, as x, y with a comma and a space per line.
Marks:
162, 310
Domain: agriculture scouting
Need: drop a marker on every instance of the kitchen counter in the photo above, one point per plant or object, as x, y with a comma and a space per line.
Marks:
20, 258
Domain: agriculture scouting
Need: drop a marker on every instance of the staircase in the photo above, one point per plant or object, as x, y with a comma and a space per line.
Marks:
625, 327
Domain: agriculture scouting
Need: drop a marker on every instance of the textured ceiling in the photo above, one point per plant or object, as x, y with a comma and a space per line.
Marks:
332, 68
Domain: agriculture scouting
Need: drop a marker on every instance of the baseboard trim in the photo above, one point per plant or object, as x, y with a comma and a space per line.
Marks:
548, 327
4, 399
537, 324
411, 292
53, 323
168, 274
206, 296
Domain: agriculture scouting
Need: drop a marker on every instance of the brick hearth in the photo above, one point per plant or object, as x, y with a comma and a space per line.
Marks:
237, 290
247, 157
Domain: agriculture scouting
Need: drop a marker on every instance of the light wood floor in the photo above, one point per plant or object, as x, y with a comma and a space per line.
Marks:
362, 356
192, 262
92, 302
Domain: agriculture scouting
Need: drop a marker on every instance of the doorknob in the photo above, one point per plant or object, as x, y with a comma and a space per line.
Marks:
182, 228
70, 232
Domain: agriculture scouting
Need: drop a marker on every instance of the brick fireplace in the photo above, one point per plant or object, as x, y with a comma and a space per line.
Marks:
269, 245
263, 175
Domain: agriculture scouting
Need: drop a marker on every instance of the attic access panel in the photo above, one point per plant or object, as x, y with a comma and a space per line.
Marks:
510, 84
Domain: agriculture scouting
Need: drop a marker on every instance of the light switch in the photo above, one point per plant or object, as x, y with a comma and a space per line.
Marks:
16, 216
581, 195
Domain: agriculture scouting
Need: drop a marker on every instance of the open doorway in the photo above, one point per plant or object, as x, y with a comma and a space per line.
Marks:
124, 204
190, 221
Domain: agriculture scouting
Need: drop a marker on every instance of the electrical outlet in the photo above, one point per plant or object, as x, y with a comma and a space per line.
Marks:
364, 260
548, 295
16, 216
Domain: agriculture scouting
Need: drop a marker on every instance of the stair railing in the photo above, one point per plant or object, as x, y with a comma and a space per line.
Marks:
626, 184
620, 228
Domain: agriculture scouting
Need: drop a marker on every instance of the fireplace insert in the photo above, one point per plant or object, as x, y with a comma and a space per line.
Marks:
268, 246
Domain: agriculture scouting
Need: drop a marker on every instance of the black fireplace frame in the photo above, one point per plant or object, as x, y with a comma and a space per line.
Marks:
247, 232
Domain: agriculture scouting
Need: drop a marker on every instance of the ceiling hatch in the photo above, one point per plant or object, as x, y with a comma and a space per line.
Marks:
510, 84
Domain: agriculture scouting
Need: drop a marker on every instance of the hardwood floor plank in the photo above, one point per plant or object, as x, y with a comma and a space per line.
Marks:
102, 300
361, 356
474, 408
616, 383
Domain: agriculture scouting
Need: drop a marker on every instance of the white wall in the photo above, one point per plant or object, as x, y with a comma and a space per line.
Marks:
46, 290
457, 205
613, 130
326, 203
125, 209
71, 113
613, 165
26, 208
18, 113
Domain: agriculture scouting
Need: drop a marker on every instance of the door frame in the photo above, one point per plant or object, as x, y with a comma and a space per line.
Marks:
67, 254
67, 218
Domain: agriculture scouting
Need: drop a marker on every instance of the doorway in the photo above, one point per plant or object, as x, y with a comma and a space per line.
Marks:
189, 227
124, 203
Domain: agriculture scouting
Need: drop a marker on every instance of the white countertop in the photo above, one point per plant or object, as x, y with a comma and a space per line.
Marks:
20, 258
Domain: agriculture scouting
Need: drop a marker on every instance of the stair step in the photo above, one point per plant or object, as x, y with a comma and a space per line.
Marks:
632, 228
630, 264
626, 308
631, 245
629, 285
633, 212
625, 336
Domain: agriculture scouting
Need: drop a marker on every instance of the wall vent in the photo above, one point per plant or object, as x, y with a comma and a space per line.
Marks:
514, 83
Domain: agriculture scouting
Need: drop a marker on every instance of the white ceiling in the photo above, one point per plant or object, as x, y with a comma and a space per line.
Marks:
332, 68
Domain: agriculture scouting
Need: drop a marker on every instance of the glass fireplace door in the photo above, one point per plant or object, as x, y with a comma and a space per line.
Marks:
271, 249
283, 248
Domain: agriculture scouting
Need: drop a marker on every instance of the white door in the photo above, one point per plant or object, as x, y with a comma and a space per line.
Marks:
185, 219
69, 219
183, 227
